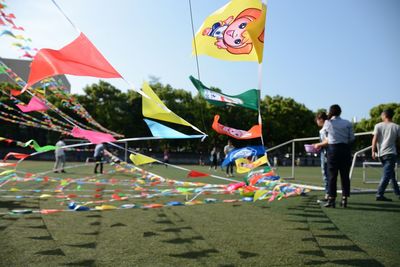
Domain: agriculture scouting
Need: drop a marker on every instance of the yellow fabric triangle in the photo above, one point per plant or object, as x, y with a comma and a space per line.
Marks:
258, 194
140, 159
155, 108
224, 34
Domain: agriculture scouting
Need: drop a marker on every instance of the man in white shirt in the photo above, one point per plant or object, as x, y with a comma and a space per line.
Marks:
60, 156
386, 135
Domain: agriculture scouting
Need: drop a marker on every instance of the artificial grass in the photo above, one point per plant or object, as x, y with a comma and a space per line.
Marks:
291, 232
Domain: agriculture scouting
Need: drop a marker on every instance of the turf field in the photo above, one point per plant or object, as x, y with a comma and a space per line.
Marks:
290, 232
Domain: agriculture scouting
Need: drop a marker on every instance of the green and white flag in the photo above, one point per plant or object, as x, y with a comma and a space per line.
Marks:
248, 99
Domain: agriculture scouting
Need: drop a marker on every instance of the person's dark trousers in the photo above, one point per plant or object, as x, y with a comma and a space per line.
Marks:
339, 161
389, 163
99, 162
229, 168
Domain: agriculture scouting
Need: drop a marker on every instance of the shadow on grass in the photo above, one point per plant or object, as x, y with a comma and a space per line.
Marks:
82, 263
344, 248
176, 229
246, 254
194, 255
11, 205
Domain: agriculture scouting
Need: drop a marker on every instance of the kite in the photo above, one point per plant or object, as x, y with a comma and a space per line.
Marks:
254, 131
233, 32
80, 57
248, 99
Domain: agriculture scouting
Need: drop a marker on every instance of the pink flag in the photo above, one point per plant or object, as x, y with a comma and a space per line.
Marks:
93, 136
35, 104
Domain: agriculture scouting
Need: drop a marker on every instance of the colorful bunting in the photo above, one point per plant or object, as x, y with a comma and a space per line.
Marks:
225, 33
254, 131
248, 99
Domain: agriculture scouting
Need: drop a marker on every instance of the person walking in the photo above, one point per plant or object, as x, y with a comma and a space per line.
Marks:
98, 157
340, 137
385, 137
213, 159
59, 154
229, 168
166, 157
320, 119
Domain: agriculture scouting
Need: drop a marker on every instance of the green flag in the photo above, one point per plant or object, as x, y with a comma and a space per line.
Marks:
248, 99
39, 148
2, 69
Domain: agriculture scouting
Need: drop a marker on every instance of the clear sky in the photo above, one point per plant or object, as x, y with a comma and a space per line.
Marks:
317, 52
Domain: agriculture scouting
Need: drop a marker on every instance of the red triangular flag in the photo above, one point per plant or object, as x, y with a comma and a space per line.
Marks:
15, 155
197, 174
79, 58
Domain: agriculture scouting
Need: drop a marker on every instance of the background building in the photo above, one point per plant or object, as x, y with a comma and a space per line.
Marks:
21, 68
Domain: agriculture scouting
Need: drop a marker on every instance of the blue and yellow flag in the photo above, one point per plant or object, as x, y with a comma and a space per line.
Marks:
234, 32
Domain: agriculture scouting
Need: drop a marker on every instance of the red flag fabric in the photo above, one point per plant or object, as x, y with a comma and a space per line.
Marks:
254, 131
15, 155
197, 174
80, 58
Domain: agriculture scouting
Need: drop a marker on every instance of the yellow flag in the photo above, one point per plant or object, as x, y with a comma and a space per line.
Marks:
258, 194
155, 108
244, 165
233, 32
140, 159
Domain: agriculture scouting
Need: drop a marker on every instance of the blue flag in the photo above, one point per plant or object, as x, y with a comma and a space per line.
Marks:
243, 152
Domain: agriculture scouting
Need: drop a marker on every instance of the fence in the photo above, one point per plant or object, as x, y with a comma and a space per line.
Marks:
298, 140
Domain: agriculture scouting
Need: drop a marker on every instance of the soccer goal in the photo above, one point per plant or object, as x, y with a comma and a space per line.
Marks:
372, 172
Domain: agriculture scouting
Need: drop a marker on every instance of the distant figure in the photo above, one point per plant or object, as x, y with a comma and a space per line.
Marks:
320, 120
60, 156
229, 168
201, 161
98, 157
340, 137
213, 158
275, 162
166, 157
386, 135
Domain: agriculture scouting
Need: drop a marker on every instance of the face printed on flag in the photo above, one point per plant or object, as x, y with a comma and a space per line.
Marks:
234, 32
